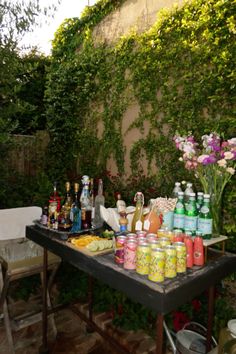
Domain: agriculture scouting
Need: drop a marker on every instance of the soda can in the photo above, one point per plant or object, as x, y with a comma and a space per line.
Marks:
130, 254
131, 234
171, 261
157, 265
143, 258
154, 243
141, 234
189, 249
151, 237
181, 256
164, 241
119, 249
141, 240
161, 232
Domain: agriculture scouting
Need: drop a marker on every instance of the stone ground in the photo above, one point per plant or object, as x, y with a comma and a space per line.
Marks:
72, 337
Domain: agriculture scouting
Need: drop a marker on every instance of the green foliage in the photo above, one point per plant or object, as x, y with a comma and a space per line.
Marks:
181, 73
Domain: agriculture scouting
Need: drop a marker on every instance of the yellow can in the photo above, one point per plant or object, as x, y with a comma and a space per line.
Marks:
164, 241
157, 265
143, 258
171, 262
181, 256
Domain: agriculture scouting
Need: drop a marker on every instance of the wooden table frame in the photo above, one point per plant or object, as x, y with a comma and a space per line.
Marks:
162, 298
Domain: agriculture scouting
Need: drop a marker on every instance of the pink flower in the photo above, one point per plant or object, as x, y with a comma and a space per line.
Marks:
201, 158
232, 142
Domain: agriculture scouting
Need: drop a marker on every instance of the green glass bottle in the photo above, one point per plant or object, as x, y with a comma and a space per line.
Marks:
205, 218
191, 214
179, 212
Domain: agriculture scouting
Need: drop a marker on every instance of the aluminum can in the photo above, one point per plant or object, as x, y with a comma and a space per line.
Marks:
154, 243
171, 261
141, 240
181, 256
130, 254
151, 237
157, 265
189, 249
119, 249
161, 232
141, 234
143, 258
131, 234
164, 241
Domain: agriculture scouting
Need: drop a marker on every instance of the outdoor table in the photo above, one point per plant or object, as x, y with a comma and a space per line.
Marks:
161, 297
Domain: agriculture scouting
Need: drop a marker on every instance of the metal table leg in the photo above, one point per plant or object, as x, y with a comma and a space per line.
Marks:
44, 348
211, 293
159, 332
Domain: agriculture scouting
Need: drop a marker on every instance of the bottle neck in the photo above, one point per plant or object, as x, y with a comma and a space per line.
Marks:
100, 188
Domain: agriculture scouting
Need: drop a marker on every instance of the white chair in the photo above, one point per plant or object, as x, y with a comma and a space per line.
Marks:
20, 258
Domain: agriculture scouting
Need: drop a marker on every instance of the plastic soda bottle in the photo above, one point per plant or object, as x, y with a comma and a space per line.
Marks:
176, 190
205, 218
179, 212
191, 215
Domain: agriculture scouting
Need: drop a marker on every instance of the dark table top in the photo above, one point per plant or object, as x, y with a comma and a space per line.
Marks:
161, 297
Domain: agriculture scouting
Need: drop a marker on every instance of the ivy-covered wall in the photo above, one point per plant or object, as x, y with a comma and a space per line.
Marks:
180, 74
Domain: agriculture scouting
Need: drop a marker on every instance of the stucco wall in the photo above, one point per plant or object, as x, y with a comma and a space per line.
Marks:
138, 15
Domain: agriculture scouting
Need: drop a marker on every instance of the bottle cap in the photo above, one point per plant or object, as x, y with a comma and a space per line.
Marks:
206, 196
200, 194
177, 184
181, 193
192, 194
189, 184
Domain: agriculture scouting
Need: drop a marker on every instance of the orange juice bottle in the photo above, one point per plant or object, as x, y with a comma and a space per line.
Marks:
152, 220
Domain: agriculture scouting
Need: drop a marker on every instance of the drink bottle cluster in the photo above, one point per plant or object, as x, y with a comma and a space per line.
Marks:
78, 210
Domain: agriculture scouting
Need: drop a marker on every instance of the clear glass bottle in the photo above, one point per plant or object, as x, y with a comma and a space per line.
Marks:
91, 193
99, 200
137, 222
176, 190
188, 190
205, 218
54, 197
120, 204
86, 207
75, 210
179, 212
64, 218
191, 214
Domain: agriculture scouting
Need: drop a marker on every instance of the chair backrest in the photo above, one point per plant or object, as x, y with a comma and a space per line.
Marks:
13, 221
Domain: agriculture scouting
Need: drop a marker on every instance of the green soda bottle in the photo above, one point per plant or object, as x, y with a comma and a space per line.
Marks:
191, 214
205, 218
179, 212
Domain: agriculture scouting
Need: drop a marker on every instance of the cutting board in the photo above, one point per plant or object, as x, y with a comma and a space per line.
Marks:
85, 251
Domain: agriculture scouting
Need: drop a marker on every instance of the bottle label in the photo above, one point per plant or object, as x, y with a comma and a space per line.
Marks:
205, 226
190, 222
146, 225
179, 221
83, 214
179, 205
138, 225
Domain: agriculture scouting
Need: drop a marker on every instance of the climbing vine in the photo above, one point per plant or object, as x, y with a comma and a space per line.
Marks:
180, 73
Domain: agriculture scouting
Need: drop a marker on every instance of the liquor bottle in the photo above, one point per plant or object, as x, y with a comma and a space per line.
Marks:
179, 212
99, 200
152, 220
188, 190
205, 218
91, 193
176, 189
75, 210
123, 222
54, 197
64, 218
44, 216
86, 207
120, 204
191, 215
137, 222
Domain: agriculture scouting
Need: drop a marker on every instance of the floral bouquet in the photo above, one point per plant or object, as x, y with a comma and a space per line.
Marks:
213, 163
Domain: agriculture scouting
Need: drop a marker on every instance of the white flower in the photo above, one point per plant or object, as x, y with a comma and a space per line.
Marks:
201, 158
231, 170
232, 142
222, 163
228, 155
181, 159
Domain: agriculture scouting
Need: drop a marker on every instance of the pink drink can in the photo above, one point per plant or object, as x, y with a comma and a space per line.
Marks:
141, 240
131, 234
130, 254
141, 234
119, 249
151, 237
189, 249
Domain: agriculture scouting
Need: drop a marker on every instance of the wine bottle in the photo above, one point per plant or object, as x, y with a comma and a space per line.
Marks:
64, 221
